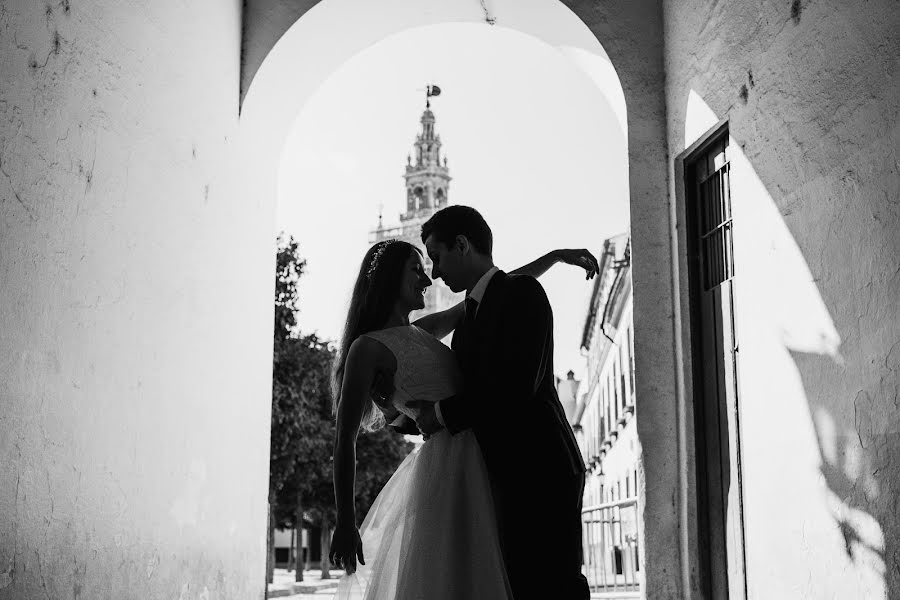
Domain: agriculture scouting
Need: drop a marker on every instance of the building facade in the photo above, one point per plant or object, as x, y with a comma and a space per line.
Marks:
567, 389
605, 425
605, 416
427, 189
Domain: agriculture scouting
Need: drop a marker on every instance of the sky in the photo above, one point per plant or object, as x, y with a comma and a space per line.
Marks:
532, 143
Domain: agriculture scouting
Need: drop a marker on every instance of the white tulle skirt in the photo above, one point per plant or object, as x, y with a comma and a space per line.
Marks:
431, 532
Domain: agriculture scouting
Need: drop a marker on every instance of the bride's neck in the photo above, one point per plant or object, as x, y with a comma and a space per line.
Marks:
397, 318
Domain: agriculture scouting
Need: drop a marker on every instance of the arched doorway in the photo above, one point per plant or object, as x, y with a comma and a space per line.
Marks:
272, 92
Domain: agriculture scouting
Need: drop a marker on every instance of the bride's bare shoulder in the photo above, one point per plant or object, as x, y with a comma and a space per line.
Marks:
369, 350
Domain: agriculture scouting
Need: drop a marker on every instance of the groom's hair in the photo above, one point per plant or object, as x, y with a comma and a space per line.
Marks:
455, 220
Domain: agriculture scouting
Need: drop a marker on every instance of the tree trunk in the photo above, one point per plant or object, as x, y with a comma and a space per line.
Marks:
326, 549
299, 560
291, 555
307, 556
270, 545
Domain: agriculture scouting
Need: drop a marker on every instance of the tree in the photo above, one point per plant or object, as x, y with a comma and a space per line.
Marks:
305, 428
288, 269
287, 429
301, 491
378, 454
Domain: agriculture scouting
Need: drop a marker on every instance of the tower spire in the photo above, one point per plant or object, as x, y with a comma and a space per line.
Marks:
427, 179
427, 176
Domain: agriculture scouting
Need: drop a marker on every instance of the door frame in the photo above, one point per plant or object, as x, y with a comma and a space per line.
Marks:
693, 535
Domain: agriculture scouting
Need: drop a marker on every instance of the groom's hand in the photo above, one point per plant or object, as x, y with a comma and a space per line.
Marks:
426, 420
580, 258
404, 425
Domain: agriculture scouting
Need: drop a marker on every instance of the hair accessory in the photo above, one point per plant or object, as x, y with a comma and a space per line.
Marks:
373, 264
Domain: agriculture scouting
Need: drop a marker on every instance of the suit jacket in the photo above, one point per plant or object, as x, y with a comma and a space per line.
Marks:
509, 398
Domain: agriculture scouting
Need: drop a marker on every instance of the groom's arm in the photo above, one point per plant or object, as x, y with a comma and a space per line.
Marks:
521, 360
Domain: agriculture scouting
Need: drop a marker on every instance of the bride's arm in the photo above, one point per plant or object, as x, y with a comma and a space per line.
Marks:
441, 323
580, 258
359, 373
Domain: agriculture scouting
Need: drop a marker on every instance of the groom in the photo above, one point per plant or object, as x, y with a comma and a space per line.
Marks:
505, 350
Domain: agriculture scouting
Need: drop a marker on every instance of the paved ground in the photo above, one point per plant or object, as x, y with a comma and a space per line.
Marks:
314, 588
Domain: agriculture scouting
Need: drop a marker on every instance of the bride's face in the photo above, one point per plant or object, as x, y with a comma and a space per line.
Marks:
413, 283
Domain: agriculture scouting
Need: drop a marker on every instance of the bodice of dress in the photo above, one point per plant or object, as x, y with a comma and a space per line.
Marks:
426, 369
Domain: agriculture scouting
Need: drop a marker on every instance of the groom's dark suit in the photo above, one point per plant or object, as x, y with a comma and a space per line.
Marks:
510, 402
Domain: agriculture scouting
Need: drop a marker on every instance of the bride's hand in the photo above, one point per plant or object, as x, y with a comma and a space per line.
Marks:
346, 548
579, 258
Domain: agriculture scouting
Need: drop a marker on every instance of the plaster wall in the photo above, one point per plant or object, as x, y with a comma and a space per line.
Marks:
632, 34
810, 91
135, 306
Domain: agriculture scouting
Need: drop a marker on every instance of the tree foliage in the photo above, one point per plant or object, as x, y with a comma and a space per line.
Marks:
378, 454
289, 267
302, 426
300, 467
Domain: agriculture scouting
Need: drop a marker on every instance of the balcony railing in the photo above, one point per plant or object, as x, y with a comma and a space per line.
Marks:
611, 553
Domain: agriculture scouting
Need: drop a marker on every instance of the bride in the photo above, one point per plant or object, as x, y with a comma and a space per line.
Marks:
431, 532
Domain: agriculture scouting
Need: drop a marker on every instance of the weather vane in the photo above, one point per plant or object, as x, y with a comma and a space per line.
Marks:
488, 18
431, 90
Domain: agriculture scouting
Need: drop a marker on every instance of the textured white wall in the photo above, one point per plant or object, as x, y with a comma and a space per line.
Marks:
632, 34
135, 306
811, 92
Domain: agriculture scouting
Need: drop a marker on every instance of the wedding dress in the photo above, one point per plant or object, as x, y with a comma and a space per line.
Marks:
431, 533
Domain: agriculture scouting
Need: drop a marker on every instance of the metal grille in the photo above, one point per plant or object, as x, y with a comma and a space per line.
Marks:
611, 557
715, 226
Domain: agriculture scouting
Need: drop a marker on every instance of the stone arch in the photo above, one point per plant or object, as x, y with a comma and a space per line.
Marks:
631, 33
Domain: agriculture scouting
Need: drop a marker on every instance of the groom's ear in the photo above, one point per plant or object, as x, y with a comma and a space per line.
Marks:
462, 244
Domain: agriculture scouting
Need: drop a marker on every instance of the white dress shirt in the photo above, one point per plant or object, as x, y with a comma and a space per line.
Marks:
476, 294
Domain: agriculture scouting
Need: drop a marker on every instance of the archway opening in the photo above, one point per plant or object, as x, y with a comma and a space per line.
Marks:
532, 118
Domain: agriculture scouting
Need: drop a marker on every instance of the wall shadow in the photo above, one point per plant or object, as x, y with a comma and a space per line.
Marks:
816, 308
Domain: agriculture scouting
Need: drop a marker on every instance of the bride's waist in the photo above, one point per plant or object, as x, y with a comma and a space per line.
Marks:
404, 397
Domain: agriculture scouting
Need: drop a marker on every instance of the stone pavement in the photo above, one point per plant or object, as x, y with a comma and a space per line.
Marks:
314, 588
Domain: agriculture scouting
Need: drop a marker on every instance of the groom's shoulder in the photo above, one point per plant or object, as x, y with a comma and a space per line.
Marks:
521, 280
525, 286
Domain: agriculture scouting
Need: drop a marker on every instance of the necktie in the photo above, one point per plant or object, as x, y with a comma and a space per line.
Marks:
471, 307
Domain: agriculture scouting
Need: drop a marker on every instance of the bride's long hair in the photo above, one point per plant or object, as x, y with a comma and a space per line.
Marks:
375, 292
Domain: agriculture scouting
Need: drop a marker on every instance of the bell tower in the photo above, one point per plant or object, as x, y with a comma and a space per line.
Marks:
427, 178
